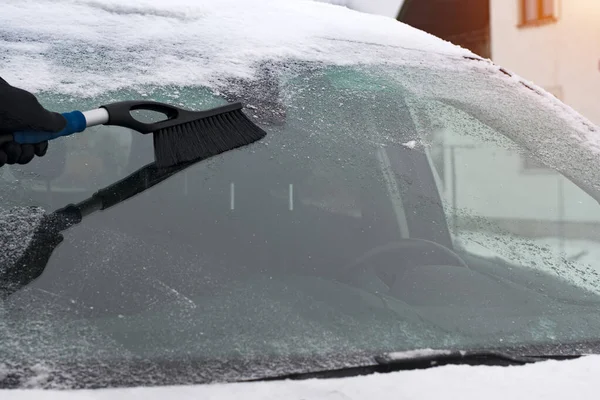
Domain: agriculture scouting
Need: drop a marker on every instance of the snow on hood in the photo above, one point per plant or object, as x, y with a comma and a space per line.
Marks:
90, 46
546, 380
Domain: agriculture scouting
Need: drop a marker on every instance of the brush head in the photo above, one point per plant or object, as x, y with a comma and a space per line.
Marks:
204, 137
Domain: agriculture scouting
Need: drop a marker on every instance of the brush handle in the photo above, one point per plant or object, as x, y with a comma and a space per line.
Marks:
120, 114
76, 121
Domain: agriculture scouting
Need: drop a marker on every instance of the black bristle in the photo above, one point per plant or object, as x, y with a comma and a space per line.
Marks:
203, 138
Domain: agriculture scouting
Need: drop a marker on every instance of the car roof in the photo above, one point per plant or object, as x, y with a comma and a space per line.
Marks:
89, 46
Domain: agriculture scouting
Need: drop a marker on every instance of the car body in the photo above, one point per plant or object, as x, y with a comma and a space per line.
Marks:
388, 209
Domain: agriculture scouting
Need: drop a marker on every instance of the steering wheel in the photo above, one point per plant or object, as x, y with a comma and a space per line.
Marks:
412, 253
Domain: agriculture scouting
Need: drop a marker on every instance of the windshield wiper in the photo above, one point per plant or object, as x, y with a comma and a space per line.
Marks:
422, 359
48, 236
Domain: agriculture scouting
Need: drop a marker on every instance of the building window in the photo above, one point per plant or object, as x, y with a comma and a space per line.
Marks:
534, 12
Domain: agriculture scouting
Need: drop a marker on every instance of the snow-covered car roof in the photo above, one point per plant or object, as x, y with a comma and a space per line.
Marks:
184, 42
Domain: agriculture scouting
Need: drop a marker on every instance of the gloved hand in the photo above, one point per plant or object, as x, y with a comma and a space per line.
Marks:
21, 111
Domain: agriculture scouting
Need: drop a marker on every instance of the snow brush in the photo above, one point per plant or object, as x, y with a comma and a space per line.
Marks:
184, 135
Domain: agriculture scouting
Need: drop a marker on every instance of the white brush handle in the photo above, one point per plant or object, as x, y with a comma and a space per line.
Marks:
76, 121
96, 117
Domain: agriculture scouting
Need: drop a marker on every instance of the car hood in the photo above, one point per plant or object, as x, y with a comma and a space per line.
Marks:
545, 380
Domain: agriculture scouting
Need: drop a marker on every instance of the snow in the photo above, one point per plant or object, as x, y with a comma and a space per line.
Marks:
17, 226
410, 144
343, 3
403, 355
389, 8
187, 42
545, 380
576, 261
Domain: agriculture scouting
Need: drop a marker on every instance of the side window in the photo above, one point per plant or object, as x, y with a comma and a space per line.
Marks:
495, 207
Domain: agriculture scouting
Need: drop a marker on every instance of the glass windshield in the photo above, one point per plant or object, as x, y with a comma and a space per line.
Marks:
374, 217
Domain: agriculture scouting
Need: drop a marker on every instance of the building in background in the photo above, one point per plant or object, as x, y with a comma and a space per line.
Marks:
554, 43
462, 22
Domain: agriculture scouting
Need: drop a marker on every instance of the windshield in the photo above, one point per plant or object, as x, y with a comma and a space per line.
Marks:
374, 217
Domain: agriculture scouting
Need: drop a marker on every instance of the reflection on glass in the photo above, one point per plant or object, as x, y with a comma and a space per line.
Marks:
499, 206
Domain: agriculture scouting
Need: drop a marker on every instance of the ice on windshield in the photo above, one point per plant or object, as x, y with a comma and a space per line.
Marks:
84, 51
17, 226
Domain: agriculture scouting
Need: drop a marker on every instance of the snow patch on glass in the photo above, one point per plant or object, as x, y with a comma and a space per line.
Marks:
17, 226
420, 353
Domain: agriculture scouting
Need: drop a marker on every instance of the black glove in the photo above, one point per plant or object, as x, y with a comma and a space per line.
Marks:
21, 111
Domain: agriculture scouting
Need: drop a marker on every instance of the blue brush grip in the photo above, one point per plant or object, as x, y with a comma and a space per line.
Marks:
75, 123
